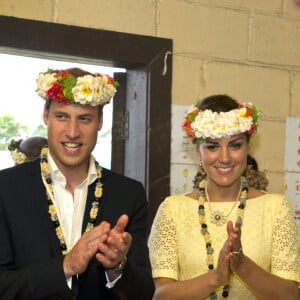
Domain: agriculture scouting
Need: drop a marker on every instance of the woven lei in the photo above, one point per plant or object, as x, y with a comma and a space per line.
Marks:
206, 234
51, 207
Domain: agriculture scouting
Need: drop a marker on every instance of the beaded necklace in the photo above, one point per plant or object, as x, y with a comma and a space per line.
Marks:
205, 232
45, 170
217, 217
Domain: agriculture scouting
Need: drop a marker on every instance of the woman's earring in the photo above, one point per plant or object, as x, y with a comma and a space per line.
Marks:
201, 169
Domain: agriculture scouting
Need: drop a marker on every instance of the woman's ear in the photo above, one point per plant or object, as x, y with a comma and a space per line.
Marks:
248, 147
198, 151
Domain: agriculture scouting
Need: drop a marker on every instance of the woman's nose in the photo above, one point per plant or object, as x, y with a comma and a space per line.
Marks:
224, 156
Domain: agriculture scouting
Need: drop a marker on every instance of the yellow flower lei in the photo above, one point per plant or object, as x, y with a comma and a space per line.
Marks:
45, 170
18, 157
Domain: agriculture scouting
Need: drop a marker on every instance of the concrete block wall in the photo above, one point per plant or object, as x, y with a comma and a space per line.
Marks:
247, 49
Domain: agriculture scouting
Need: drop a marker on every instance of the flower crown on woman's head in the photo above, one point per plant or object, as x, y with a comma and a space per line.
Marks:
64, 87
201, 124
17, 156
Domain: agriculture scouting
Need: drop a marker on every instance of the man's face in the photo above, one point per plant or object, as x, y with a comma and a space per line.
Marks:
72, 133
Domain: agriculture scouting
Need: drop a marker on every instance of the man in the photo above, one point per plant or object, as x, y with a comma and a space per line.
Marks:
68, 228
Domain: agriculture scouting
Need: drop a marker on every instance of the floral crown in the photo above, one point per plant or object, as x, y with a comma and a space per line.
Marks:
201, 124
17, 156
65, 87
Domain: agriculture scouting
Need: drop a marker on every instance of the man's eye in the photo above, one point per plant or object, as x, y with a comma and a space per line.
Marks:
85, 119
60, 117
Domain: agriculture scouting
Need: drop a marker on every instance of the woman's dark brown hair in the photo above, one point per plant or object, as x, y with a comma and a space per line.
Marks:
218, 103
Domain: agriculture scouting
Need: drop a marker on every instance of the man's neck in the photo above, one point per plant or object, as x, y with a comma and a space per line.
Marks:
74, 175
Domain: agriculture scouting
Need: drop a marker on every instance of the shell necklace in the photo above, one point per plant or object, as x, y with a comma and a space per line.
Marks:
217, 217
204, 229
45, 170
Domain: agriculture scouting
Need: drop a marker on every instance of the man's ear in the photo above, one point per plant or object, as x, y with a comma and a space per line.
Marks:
45, 115
100, 121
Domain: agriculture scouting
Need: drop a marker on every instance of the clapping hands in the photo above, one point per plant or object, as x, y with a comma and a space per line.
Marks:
231, 255
108, 245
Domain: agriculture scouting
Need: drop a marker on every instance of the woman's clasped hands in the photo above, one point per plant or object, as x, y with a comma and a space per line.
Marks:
231, 255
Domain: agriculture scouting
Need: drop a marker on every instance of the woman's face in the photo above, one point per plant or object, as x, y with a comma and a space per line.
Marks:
224, 160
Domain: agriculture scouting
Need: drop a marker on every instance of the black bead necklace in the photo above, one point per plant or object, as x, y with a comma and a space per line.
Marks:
205, 232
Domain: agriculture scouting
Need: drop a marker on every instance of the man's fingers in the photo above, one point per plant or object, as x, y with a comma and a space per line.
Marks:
121, 224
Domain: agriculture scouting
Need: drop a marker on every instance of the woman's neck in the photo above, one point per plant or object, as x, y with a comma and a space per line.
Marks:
217, 193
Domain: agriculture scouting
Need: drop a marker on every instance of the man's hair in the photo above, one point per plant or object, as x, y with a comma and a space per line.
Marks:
48, 104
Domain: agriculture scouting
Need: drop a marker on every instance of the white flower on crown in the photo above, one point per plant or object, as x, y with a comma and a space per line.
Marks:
44, 83
64, 87
217, 125
93, 90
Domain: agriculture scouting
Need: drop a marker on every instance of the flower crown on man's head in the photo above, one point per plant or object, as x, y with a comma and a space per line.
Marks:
201, 124
65, 87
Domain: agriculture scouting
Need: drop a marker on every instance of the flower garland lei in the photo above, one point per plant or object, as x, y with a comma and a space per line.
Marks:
51, 207
201, 124
17, 156
205, 232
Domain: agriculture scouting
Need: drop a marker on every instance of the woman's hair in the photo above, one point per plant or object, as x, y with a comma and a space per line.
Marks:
218, 103
252, 162
255, 178
32, 146
27, 149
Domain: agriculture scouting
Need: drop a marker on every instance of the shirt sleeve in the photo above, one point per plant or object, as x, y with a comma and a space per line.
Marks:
163, 243
111, 284
285, 247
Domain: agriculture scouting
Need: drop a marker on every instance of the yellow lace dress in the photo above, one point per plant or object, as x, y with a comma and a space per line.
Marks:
269, 238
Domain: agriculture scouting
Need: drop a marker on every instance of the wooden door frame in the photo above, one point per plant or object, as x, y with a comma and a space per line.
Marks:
148, 91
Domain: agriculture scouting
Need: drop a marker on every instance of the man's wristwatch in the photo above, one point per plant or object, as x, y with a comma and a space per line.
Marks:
120, 266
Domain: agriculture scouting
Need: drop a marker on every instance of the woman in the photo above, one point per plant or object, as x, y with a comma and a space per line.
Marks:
26, 150
225, 239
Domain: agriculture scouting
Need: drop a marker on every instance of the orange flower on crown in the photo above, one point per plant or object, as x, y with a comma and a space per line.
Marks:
188, 119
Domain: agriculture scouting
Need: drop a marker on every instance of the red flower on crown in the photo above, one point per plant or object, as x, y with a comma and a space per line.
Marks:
189, 118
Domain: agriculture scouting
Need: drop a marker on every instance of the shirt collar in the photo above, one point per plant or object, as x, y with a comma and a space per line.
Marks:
56, 174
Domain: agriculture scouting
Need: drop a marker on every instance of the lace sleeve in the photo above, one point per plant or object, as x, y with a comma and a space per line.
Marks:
162, 243
285, 248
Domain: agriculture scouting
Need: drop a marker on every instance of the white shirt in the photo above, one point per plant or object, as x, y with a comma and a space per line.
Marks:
69, 209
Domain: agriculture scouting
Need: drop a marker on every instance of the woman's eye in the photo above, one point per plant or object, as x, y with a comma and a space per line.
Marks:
236, 146
211, 147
